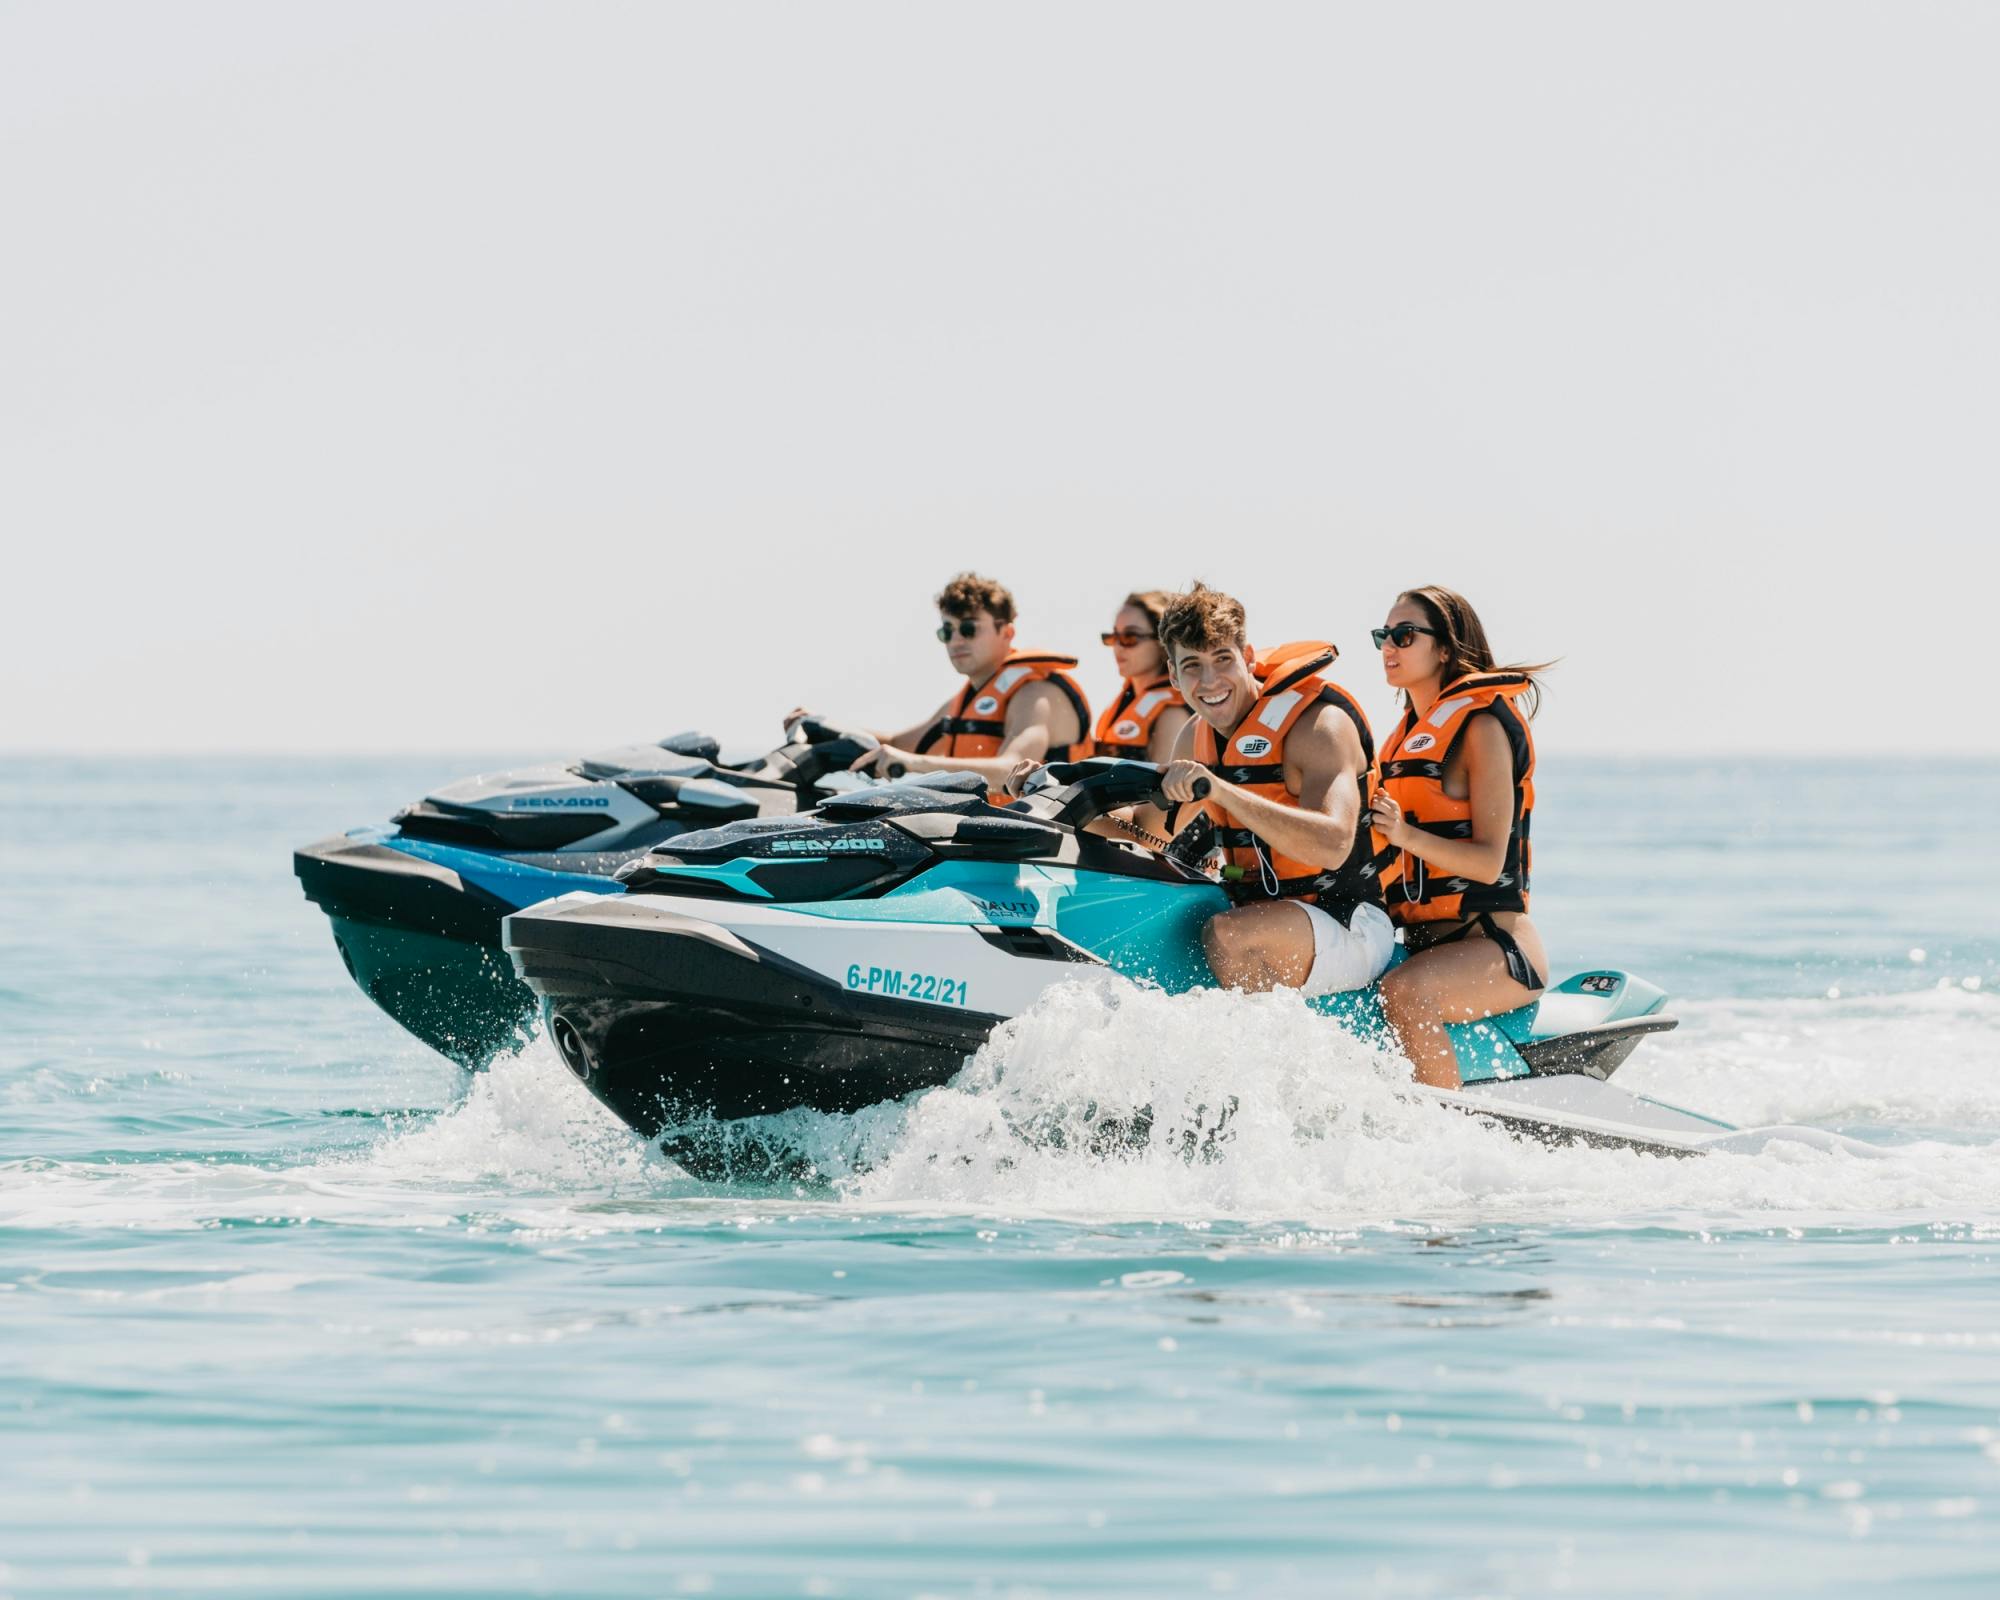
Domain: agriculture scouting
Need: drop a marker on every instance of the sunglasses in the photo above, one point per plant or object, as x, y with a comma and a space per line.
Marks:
965, 628
1402, 635
1127, 637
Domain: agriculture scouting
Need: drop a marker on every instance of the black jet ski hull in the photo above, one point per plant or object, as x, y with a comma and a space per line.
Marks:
665, 1025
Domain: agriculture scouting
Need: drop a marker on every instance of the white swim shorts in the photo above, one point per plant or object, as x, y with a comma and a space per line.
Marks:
1351, 957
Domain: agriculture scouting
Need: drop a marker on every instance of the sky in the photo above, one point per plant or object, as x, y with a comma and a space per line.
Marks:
426, 376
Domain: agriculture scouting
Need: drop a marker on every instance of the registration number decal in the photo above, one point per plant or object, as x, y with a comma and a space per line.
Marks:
901, 985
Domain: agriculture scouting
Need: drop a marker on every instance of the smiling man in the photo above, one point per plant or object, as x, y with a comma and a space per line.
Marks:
1016, 705
1286, 754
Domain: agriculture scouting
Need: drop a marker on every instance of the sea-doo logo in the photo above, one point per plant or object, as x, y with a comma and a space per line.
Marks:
986, 705
1423, 741
564, 800
1128, 729
1254, 744
825, 847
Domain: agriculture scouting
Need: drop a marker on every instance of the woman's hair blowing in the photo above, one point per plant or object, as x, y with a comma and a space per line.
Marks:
1462, 638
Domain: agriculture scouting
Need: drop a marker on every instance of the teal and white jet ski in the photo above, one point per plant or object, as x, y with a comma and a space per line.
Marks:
861, 951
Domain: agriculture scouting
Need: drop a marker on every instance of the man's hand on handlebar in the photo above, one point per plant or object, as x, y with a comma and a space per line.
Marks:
1185, 782
886, 761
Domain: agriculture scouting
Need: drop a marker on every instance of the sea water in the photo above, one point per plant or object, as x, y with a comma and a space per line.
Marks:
290, 1306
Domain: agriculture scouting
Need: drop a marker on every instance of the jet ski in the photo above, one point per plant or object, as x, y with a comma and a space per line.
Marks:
416, 905
860, 952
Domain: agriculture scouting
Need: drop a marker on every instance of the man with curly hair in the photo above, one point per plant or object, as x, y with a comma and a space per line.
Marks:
1286, 755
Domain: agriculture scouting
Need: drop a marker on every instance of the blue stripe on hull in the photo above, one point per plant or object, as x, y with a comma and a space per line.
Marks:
515, 882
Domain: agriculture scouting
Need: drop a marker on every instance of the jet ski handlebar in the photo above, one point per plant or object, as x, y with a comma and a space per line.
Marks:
810, 729
815, 749
1076, 793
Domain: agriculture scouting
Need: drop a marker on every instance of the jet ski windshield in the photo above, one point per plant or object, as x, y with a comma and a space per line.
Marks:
953, 793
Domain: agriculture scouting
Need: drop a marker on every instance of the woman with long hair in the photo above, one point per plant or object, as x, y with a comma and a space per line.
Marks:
1454, 793
1146, 717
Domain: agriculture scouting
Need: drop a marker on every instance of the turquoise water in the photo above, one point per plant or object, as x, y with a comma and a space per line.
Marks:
291, 1307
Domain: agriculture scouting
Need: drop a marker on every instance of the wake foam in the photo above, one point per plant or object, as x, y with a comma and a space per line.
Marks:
1111, 1103
525, 1126
1927, 1060
1318, 1130
527, 1147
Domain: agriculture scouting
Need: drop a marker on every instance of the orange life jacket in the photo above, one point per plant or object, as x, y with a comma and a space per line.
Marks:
1126, 728
1412, 771
1290, 685
976, 724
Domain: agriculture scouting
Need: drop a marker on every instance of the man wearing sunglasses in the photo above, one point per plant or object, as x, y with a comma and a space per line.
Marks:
1286, 754
1016, 705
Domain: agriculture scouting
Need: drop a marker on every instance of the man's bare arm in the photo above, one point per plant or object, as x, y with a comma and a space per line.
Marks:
1031, 718
911, 737
908, 737
1325, 751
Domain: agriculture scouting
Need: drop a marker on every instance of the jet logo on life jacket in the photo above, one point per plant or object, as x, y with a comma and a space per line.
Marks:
1128, 729
1253, 745
986, 705
1422, 741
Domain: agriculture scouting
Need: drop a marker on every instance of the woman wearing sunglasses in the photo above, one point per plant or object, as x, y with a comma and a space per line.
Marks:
1147, 716
1455, 788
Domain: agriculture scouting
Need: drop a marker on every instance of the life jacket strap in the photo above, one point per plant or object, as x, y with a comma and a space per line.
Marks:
1269, 772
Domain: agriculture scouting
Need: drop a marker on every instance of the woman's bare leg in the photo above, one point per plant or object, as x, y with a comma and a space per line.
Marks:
1461, 982
1267, 945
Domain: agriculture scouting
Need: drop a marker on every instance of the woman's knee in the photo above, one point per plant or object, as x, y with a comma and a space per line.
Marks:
1406, 991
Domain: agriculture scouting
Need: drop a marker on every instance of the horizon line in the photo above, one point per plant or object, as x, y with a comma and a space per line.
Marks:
524, 752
